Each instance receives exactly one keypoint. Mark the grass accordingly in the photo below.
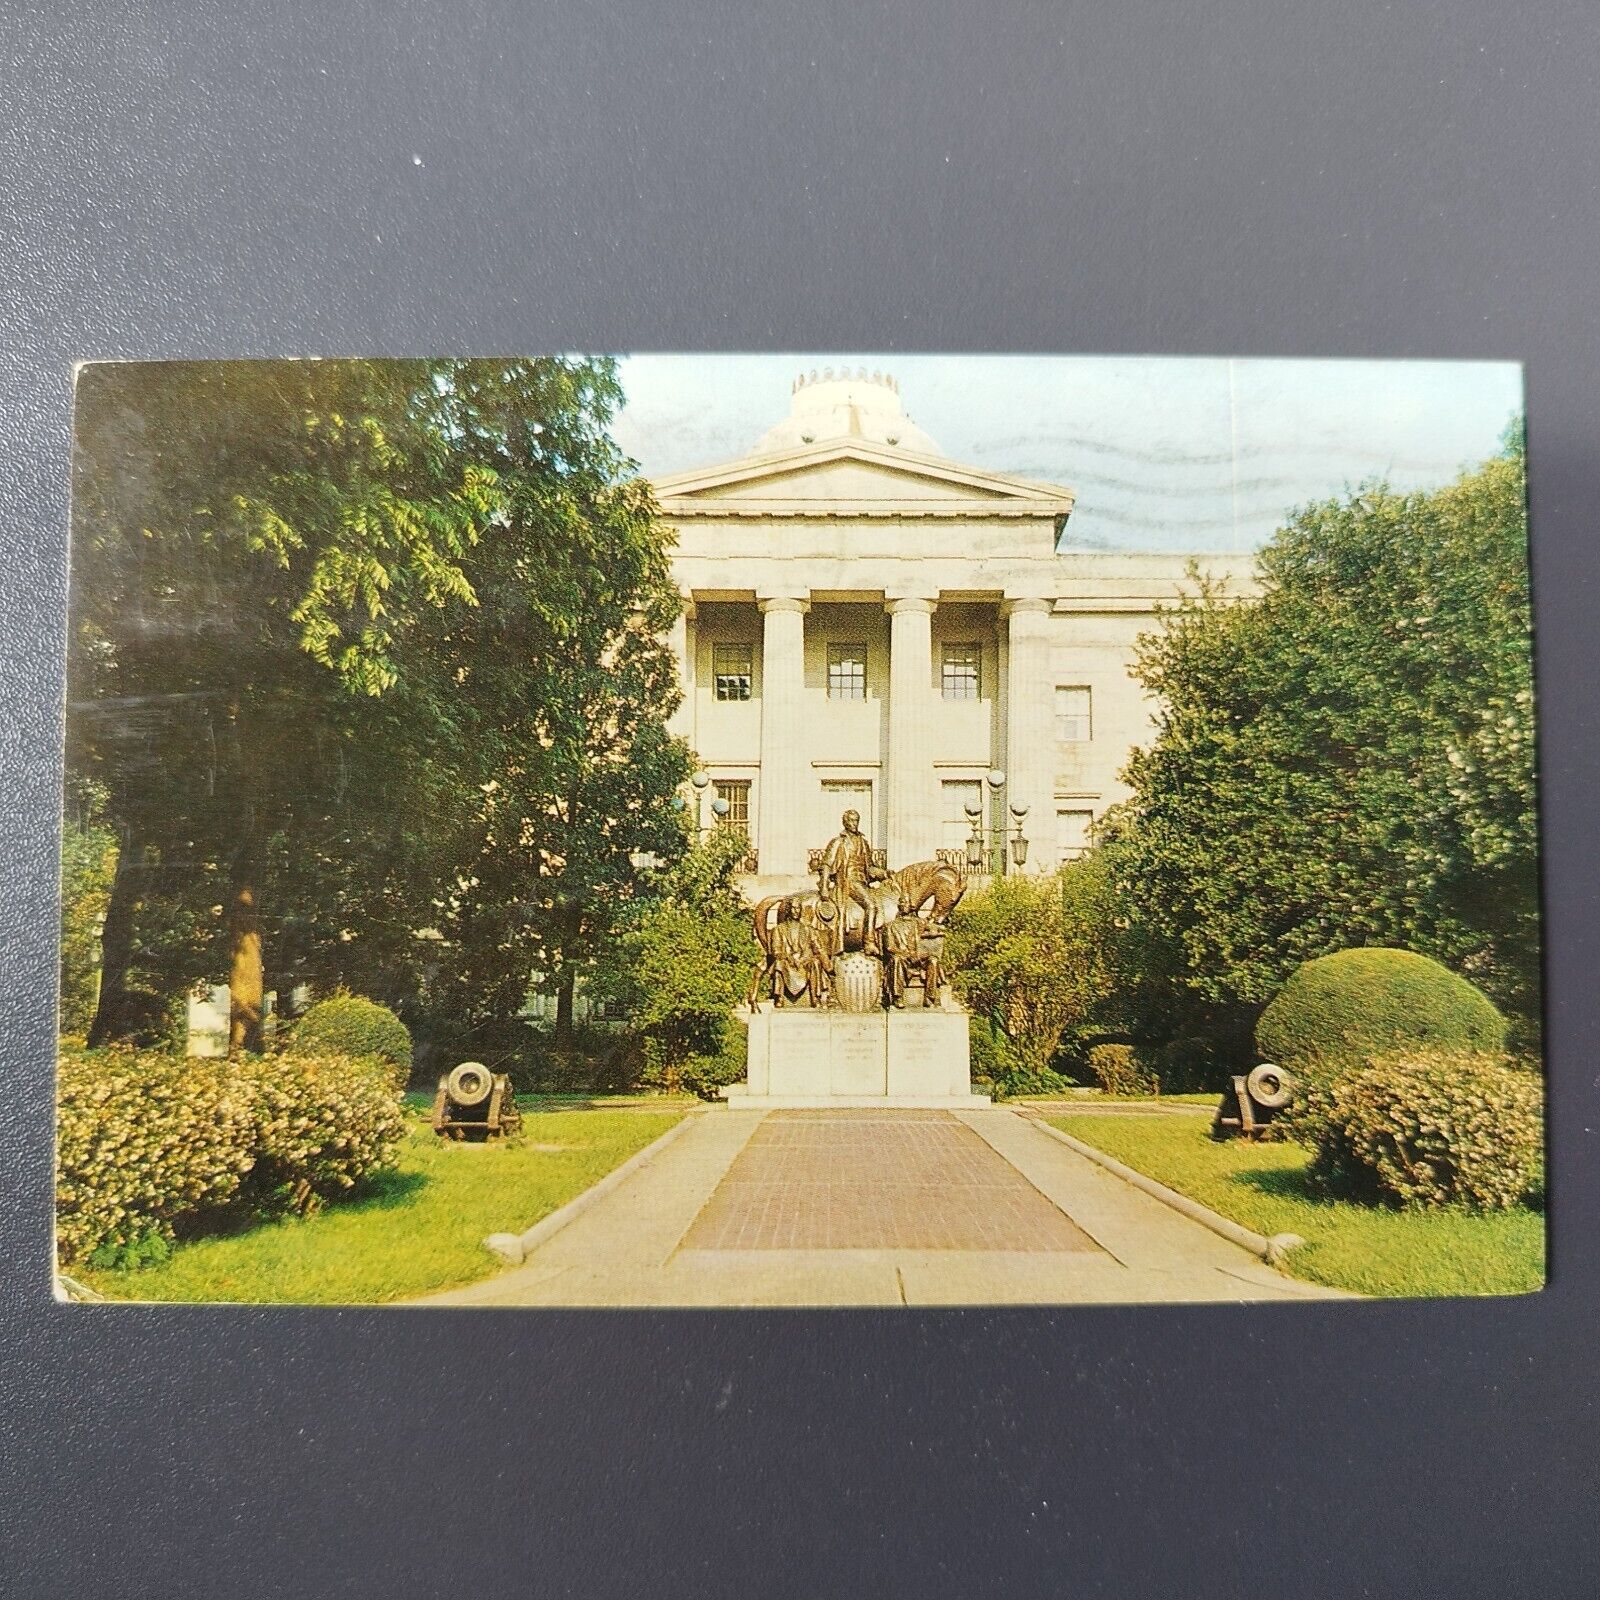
(415, 1228)
(1364, 1248)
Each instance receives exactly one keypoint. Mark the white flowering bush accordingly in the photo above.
(323, 1122)
(1432, 1128)
(144, 1142)
(152, 1146)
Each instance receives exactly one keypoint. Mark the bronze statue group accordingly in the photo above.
(894, 918)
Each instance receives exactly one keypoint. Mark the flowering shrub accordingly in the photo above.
(145, 1141)
(150, 1146)
(1432, 1128)
(323, 1121)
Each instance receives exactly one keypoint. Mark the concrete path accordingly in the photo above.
(872, 1208)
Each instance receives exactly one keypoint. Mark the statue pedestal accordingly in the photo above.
(818, 1059)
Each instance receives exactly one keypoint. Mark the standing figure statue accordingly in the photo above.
(846, 871)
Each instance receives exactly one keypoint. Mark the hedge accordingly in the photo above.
(152, 1146)
(1345, 1007)
(352, 1025)
(144, 1142)
(1432, 1128)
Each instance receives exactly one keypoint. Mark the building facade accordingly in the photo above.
(870, 625)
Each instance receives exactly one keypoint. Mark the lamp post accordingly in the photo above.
(989, 843)
(719, 806)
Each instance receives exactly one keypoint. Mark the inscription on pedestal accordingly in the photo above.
(857, 1062)
(928, 1053)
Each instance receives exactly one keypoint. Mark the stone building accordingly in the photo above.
(870, 624)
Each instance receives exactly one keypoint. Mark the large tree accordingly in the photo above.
(1348, 758)
(305, 594)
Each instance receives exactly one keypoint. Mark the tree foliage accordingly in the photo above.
(365, 661)
(1348, 758)
(1031, 956)
(687, 959)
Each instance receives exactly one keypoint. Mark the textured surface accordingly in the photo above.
(876, 1180)
(179, 177)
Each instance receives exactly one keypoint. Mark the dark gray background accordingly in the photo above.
(1307, 177)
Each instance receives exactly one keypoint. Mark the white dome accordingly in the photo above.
(845, 405)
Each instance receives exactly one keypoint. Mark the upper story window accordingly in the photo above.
(1074, 715)
(961, 672)
(731, 670)
(847, 672)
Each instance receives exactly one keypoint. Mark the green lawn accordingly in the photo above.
(416, 1228)
(1369, 1250)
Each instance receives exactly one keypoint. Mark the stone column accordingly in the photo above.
(1030, 725)
(681, 641)
(910, 800)
(785, 772)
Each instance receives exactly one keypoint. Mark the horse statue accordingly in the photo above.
(921, 883)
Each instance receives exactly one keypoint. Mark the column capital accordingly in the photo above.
(899, 604)
(1026, 605)
(789, 600)
(688, 606)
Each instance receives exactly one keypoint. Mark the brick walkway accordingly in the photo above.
(877, 1180)
(875, 1208)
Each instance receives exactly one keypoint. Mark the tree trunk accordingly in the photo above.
(246, 985)
(116, 942)
(566, 989)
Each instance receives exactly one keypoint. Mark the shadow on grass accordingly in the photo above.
(384, 1190)
(1281, 1183)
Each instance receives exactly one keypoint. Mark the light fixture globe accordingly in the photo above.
(719, 807)
(701, 779)
(996, 779)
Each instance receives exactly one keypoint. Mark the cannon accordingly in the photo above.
(472, 1102)
(1252, 1100)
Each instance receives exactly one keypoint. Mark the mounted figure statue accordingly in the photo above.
(934, 888)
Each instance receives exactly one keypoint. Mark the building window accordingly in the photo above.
(1074, 722)
(845, 795)
(847, 672)
(1074, 834)
(961, 674)
(956, 794)
(736, 791)
(730, 669)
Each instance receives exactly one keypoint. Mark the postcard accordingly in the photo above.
(805, 830)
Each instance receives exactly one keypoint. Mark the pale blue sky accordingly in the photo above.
(1166, 453)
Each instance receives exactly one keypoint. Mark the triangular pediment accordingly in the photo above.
(853, 477)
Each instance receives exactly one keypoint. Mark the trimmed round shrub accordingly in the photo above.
(1123, 1069)
(1355, 1003)
(145, 1142)
(1432, 1128)
(323, 1122)
(352, 1025)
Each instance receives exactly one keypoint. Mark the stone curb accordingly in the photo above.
(1272, 1250)
(513, 1247)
